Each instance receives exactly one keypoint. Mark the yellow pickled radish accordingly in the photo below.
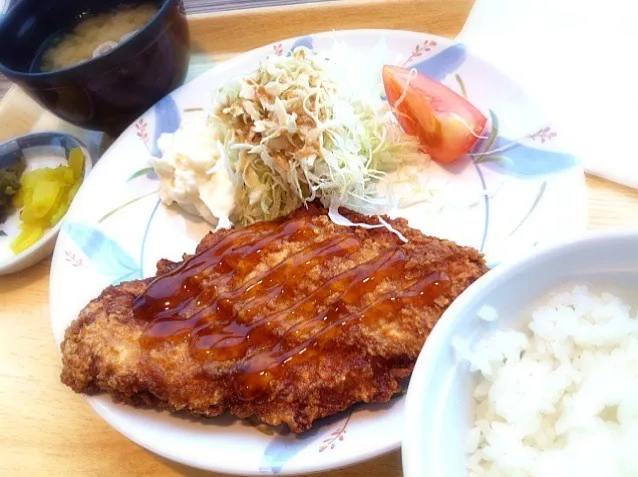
(57, 205)
(64, 175)
(64, 206)
(73, 191)
(28, 236)
(31, 178)
(76, 162)
(44, 198)
(59, 213)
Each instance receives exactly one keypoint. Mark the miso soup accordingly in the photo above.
(96, 35)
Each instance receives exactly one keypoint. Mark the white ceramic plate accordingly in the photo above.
(117, 230)
(439, 406)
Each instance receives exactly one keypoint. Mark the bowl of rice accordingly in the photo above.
(533, 371)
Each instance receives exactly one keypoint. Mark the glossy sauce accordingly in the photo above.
(234, 324)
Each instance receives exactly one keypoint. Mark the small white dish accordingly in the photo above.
(439, 406)
(45, 149)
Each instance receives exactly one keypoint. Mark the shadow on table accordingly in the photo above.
(388, 465)
(185, 470)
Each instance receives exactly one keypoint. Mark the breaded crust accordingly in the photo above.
(362, 357)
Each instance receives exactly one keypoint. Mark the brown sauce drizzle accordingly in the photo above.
(220, 325)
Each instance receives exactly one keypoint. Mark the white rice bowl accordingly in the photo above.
(560, 398)
(533, 371)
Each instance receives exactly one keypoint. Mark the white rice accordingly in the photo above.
(560, 399)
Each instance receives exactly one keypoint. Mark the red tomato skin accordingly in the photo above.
(446, 124)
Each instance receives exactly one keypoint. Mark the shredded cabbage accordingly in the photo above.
(294, 131)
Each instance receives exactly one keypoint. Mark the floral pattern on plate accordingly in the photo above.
(117, 229)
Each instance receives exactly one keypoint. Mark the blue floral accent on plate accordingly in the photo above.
(280, 450)
(149, 172)
(302, 41)
(284, 447)
(145, 237)
(517, 159)
(444, 63)
(486, 204)
(104, 253)
(167, 120)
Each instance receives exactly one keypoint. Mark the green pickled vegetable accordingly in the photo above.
(9, 186)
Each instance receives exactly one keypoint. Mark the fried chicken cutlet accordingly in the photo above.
(288, 321)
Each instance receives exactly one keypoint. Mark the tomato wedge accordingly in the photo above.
(446, 124)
